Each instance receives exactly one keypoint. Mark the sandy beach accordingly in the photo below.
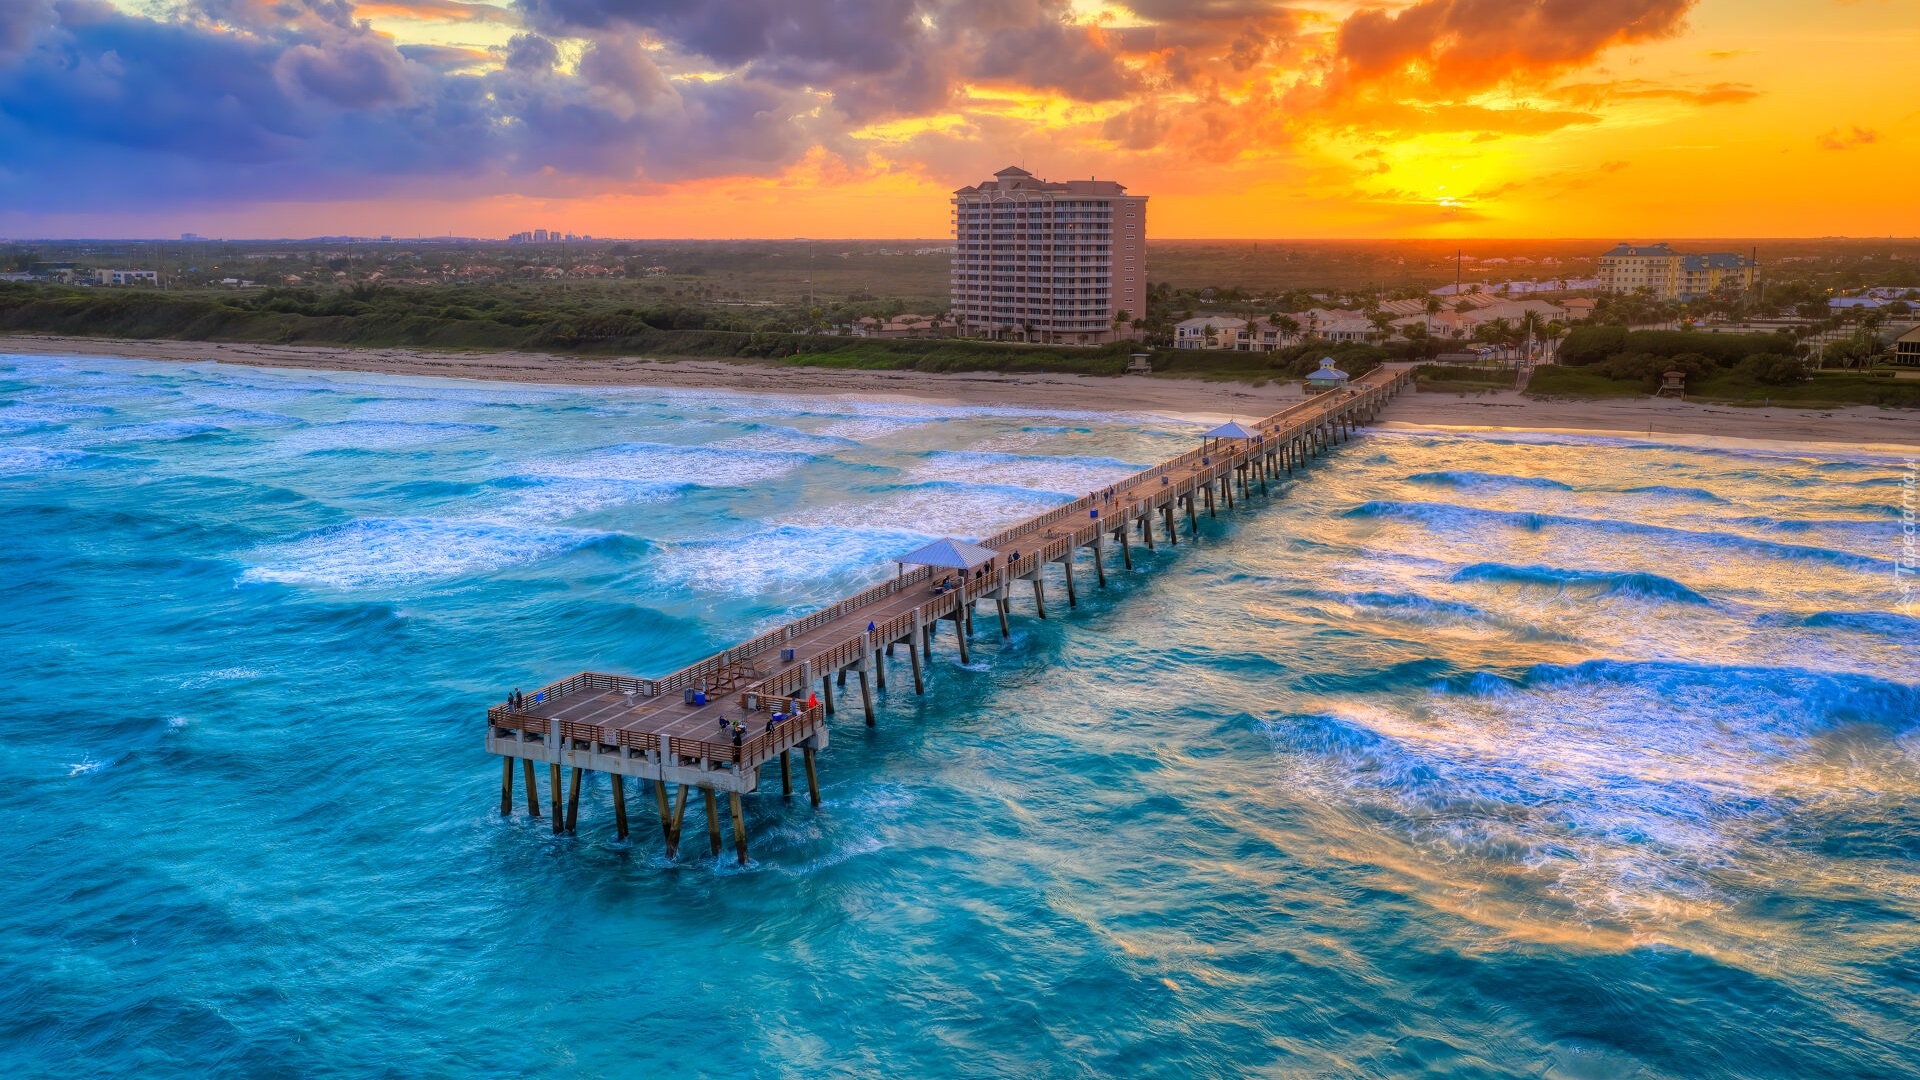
(1863, 425)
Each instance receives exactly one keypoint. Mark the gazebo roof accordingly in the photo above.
(1327, 371)
(957, 554)
(1232, 429)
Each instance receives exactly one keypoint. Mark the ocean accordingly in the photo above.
(1465, 755)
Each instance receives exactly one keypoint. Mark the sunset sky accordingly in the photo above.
(854, 118)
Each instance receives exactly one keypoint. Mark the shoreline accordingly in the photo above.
(1188, 399)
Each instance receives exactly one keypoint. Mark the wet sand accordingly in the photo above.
(1197, 398)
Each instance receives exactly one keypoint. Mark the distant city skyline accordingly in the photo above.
(1618, 119)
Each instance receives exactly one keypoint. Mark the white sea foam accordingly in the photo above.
(394, 551)
(1068, 476)
(159, 431)
(25, 460)
(1628, 784)
(658, 463)
(780, 559)
(413, 410)
(934, 509)
(376, 435)
(785, 441)
(54, 412)
(557, 498)
(867, 429)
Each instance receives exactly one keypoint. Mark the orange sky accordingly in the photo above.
(1241, 118)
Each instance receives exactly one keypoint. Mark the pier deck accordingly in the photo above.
(712, 725)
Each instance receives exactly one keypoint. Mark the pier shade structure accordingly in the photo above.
(717, 726)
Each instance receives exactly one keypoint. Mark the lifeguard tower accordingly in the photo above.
(1673, 384)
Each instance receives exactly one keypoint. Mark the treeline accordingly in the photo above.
(390, 318)
(1644, 356)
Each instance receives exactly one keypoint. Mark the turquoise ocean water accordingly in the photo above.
(1471, 755)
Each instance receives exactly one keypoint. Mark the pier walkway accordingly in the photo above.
(711, 726)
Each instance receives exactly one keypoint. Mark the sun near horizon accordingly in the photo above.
(751, 118)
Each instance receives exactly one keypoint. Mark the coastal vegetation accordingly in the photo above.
(1612, 361)
(591, 322)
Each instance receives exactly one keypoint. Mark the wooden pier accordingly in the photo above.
(715, 726)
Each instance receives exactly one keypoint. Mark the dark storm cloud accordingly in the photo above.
(296, 100)
(915, 51)
(289, 99)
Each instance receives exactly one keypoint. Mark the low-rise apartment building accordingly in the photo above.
(126, 277)
(1673, 275)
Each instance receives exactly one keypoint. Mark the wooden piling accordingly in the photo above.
(820, 646)
(679, 822)
(666, 817)
(619, 805)
(813, 777)
(739, 827)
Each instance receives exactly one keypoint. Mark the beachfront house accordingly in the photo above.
(1209, 332)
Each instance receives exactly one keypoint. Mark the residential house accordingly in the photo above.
(1209, 332)
(1906, 348)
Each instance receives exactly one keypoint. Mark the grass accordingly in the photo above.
(1555, 381)
(1452, 377)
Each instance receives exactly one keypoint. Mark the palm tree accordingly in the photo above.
(1434, 307)
(1289, 326)
(1497, 332)
(1554, 332)
(1120, 320)
(1381, 321)
(1531, 324)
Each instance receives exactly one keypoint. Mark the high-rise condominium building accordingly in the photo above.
(1036, 260)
